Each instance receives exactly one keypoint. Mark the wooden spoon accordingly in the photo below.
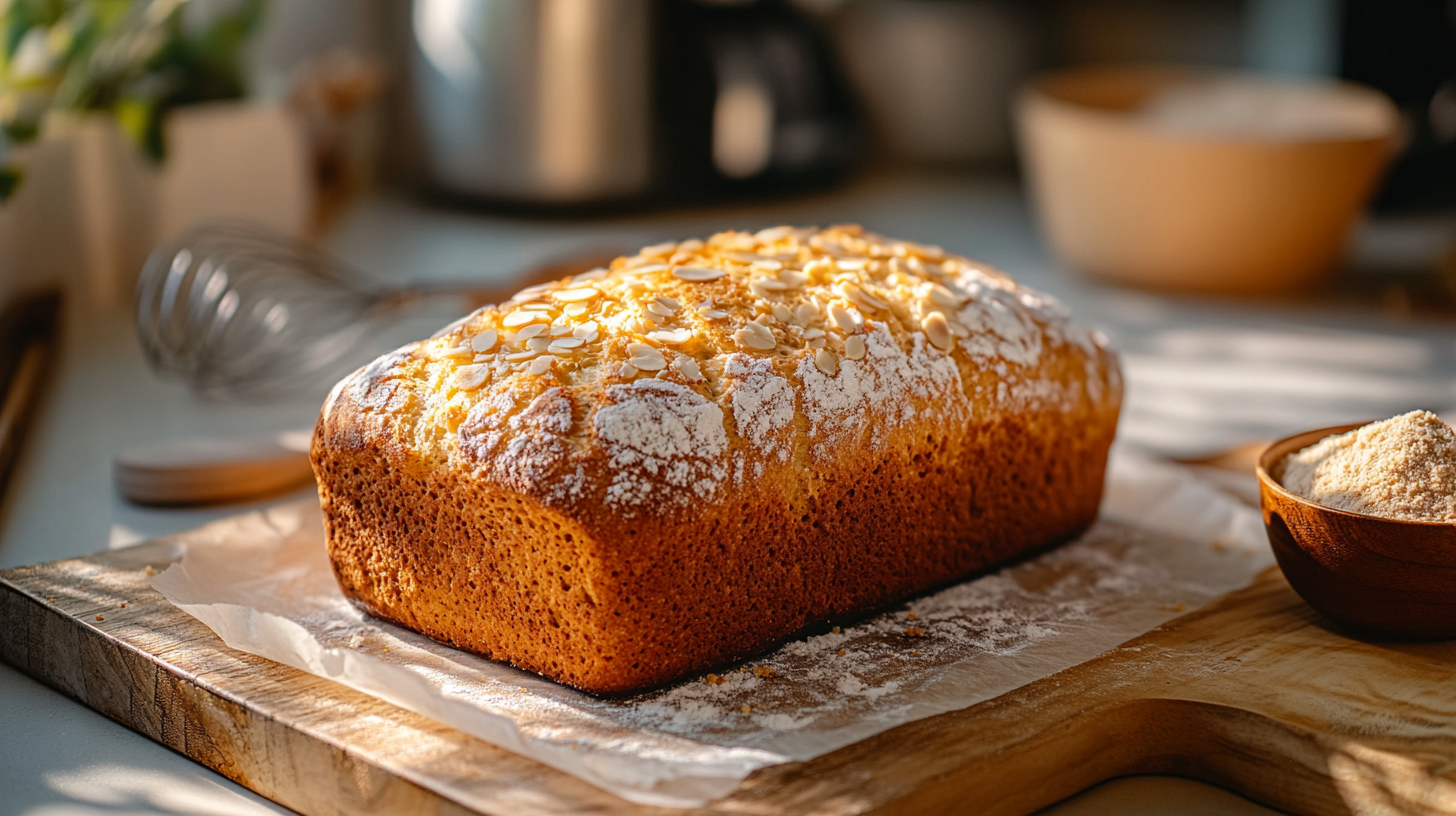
(1378, 575)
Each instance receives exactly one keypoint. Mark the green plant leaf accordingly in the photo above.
(10, 178)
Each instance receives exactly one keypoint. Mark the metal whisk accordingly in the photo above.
(240, 312)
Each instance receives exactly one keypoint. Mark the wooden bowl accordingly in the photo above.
(1124, 199)
(1379, 576)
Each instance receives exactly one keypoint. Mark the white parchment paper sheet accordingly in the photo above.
(1167, 542)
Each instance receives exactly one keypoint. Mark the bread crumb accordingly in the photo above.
(714, 680)
(840, 653)
(51, 600)
(149, 570)
(762, 671)
(123, 606)
(834, 631)
(916, 631)
(915, 653)
(747, 709)
(912, 616)
(98, 617)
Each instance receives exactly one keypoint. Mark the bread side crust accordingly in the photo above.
(610, 602)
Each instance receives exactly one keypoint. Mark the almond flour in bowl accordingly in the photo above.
(1400, 468)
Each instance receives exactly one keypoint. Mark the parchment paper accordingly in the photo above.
(1167, 542)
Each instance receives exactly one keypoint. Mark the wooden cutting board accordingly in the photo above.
(1253, 692)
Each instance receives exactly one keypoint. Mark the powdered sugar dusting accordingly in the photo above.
(887, 383)
(523, 450)
(657, 432)
(763, 405)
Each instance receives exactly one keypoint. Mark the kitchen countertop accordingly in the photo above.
(1202, 375)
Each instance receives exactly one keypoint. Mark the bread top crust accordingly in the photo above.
(649, 387)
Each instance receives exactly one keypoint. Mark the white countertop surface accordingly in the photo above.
(1201, 376)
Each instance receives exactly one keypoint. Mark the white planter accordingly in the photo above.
(92, 206)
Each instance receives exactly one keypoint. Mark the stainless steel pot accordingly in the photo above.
(538, 100)
(566, 102)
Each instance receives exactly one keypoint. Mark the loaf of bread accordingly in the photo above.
(650, 470)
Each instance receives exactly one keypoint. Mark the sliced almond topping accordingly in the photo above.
(566, 343)
(560, 331)
(842, 317)
(806, 312)
(590, 338)
(671, 337)
(810, 334)
(773, 234)
(690, 245)
(647, 269)
(826, 362)
(943, 296)
(541, 364)
(457, 351)
(852, 264)
(854, 347)
(767, 265)
(818, 342)
(696, 274)
(793, 279)
(938, 331)
(782, 312)
(688, 367)
(528, 332)
(756, 336)
(538, 343)
(592, 275)
(471, 377)
(485, 341)
(576, 309)
(627, 370)
(537, 306)
(587, 328)
(659, 309)
(818, 266)
(658, 250)
(521, 318)
(715, 314)
(583, 295)
(521, 355)
(761, 289)
(645, 357)
(860, 297)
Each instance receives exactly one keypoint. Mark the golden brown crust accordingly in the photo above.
(616, 532)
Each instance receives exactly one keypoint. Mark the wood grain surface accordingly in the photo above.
(1254, 692)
